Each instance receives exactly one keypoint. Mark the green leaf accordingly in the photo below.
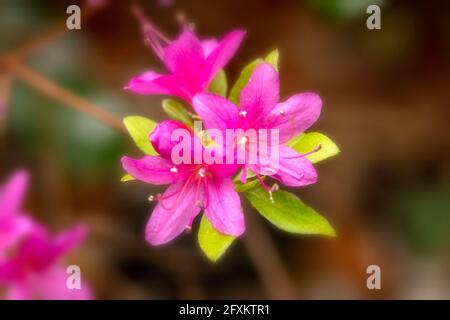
(242, 81)
(127, 178)
(220, 84)
(140, 129)
(273, 58)
(177, 111)
(213, 243)
(246, 73)
(307, 142)
(239, 187)
(289, 213)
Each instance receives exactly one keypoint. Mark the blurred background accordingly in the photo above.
(386, 104)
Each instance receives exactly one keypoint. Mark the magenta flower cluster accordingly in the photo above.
(192, 65)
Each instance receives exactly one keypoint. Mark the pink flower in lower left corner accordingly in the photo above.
(34, 272)
(14, 224)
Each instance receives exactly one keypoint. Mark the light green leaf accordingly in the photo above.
(220, 84)
(213, 243)
(177, 111)
(289, 213)
(307, 142)
(127, 178)
(140, 129)
(273, 58)
(239, 187)
(242, 81)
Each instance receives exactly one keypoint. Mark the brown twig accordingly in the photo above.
(46, 38)
(51, 89)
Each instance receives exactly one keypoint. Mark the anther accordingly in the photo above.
(243, 113)
(202, 173)
(174, 170)
(275, 187)
(282, 112)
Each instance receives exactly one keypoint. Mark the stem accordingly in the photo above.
(51, 89)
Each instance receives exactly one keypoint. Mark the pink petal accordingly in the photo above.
(153, 83)
(13, 229)
(223, 207)
(39, 250)
(19, 291)
(184, 58)
(295, 115)
(12, 193)
(151, 169)
(208, 46)
(216, 112)
(293, 169)
(261, 93)
(223, 52)
(161, 137)
(52, 285)
(173, 214)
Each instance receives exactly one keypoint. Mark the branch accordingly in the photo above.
(53, 90)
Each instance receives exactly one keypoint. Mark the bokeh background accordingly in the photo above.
(386, 104)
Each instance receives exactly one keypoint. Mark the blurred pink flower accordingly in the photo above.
(14, 224)
(260, 109)
(33, 272)
(192, 63)
(193, 187)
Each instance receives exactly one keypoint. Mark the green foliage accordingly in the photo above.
(272, 58)
(213, 243)
(307, 142)
(220, 84)
(177, 111)
(140, 129)
(289, 213)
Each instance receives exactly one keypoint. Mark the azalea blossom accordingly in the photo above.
(191, 63)
(34, 272)
(14, 224)
(192, 187)
(260, 109)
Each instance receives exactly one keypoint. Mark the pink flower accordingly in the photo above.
(193, 187)
(260, 109)
(34, 273)
(192, 63)
(13, 223)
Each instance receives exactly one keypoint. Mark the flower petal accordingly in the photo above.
(12, 229)
(12, 193)
(151, 169)
(161, 137)
(209, 45)
(223, 52)
(223, 207)
(173, 214)
(293, 169)
(151, 82)
(216, 111)
(52, 285)
(261, 93)
(184, 58)
(295, 115)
